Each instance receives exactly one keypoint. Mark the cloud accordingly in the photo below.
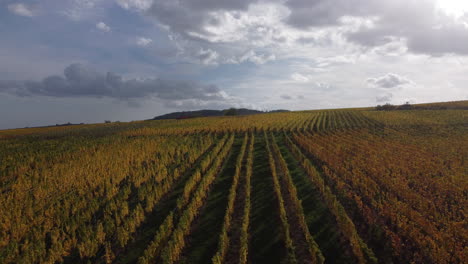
(102, 26)
(301, 78)
(185, 16)
(254, 23)
(420, 24)
(208, 56)
(253, 57)
(21, 9)
(323, 86)
(389, 81)
(78, 10)
(143, 42)
(81, 81)
(395, 48)
(136, 4)
(425, 28)
(384, 98)
(306, 13)
(229, 32)
(298, 77)
(290, 97)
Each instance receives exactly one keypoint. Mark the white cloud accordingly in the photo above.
(259, 24)
(136, 4)
(141, 41)
(322, 85)
(298, 77)
(250, 56)
(389, 81)
(21, 9)
(102, 26)
(253, 57)
(325, 62)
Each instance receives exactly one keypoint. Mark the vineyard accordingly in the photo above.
(324, 186)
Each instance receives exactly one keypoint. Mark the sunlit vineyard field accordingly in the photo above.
(322, 186)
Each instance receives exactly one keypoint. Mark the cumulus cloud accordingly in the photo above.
(102, 26)
(389, 81)
(228, 32)
(420, 24)
(216, 32)
(81, 81)
(143, 42)
(21, 9)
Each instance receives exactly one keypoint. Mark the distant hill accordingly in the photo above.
(207, 113)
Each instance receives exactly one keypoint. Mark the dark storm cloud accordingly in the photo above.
(81, 81)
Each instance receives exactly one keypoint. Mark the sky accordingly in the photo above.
(121, 60)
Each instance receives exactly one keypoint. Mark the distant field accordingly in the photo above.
(325, 186)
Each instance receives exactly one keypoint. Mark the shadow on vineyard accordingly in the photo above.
(266, 238)
(322, 186)
(202, 243)
(148, 228)
(319, 220)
